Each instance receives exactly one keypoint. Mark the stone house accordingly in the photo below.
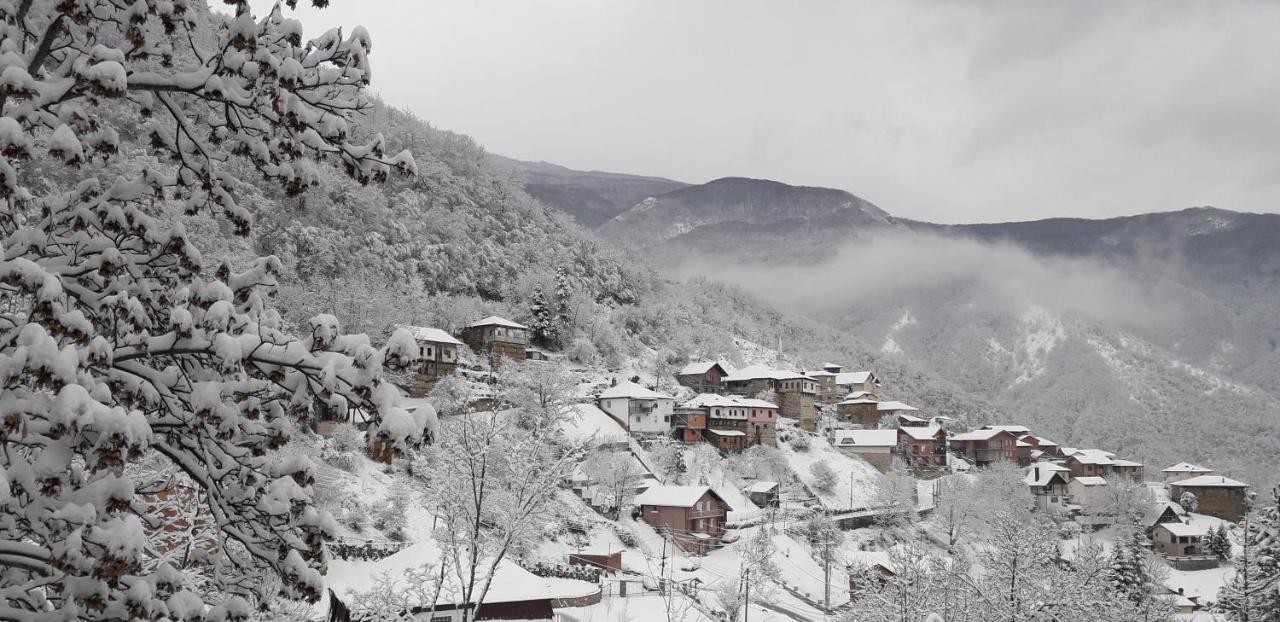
(874, 446)
(796, 393)
(693, 517)
(1184, 470)
(1218, 496)
(1127, 468)
(703, 377)
(828, 393)
(733, 423)
(637, 409)
(764, 494)
(497, 338)
(762, 422)
(860, 408)
(437, 358)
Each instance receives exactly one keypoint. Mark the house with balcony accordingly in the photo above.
(985, 446)
(796, 393)
(1048, 484)
(637, 409)
(703, 377)
(497, 338)
(437, 358)
(923, 449)
(692, 517)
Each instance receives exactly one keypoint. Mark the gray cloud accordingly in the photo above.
(948, 111)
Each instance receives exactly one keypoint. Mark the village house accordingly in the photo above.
(1184, 470)
(852, 381)
(498, 338)
(868, 570)
(795, 393)
(827, 391)
(923, 449)
(1048, 483)
(1178, 539)
(876, 447)
(437, 358)
(1127, 468)
(702, 377)
(1089, 462)
(1086, 491)
(764, 494)
(899, 412)
(762, 422)
(637, 409)
(859, 408)
(1218, 496)
(985, 446)
(1041, 447)
(692, 517)
(689, 424)
(1162, 512)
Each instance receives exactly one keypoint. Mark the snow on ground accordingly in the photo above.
(857, 480)
(646, 607)
(591, 423)
(1203, 584)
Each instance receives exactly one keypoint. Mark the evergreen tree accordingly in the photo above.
(564, 310)
(1253, 594)
(1218, 543)
(540, 323)
(1130, 575)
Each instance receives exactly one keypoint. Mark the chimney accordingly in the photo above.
(1036, 473)
(613, 382)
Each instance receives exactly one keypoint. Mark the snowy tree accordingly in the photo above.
(1189, 502)
(1129, 573)
(616, 472)
(541, 391)
(1253, 593)
(398, 597)
(542, 326)
(824, 477)
(1218, 543)
(491, 478)
(118, 342)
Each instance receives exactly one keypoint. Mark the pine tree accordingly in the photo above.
(1129, 573)
(540, 323)
(1253, 594)
(1218, 543)
(564, 312)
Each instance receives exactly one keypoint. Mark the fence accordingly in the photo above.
(1193, 562)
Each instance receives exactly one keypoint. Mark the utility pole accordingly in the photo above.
(746, 599)
(662, 570)
(826, 573)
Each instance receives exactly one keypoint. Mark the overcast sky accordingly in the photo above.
(950, 111)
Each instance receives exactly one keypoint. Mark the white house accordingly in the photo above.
(1086, 491)
(638, 409)
(1184, 470)
(874, 446)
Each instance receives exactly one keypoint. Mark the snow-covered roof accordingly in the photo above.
(426, 333)
(853, 377)
(821, 372)
(1210, 481)
(1089, 480)
(1152, 515)
(1013, 429)
(1125, 463)
(1093, 456)
(511, 583)
(494, 320)
(911, 419)
(762, 487)
(700, 367)
(674, 496)
(895, 405)
(920, 433)
(1050, 466)
(864, 438)
(977, 435)
(859, 401)
(1041, 476)
(857, 395)
(1187, 467)
(707, 400)
(1184, 529)
(754, 372)
(1044, 442)
(720, 432)
(633, 391)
